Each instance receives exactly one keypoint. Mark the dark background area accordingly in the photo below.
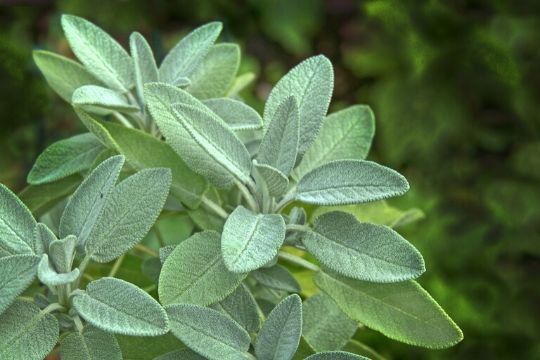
(455, 87)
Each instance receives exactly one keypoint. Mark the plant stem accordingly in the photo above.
(159, 236)
(286, 200)
(123, 120)
(298, 261)
(52, 307)
(297, 227)
(116, 265)
(210, 205)
(248, 197)
(145, 249)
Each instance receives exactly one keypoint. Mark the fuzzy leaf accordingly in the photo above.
(280, 335)
(311, 83)
(344, 182)
(277, 277)
(91, 344)
(363, 251)
(184, 354)
(241, 307)
(132, 208)
(16, 225)
(215, 75)
(100, 53)
(346, 134)
(275, 180)
(62, 253)
(402, 311)
(16, 273)
(43, 237)
(144, 348)
(146, 70)
(65, 157)
(27, 333)
(195, 272)
(236, 114)
(94, 98)
(249, 240)
(63, 75)
(49, 276)
(120, 307)
(336, 355)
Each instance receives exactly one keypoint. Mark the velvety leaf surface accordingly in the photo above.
(145, 67)
(90, 97)
(336, 355)
(91, 344)
(184, 354)
(49, 276)
(43, 237)
(62, 253)
(236, 114)
(16, 273)
(241, 307)
(16, 225)
(275, 180)
(277, 277)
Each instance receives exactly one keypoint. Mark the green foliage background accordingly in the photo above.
(455, 87)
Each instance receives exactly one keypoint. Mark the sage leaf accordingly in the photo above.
(311, 83)
(120, 307)
(345, 182)
(215, 75)
(63, 75)
(401, 311)
(65, 157)
(101, 100)
(277, 277)
(91, 344)
(336, 355)
(346, 134)
(49, 276)
(27, 333)
(132, 208)
(16, 273)
(184, 354)
(326, 327)
(100, 53)
(85, 206)
(146, 70)
(92, 123)
(279, 145)
(62, 253)
(241, 307)
(280, 334)
(43, 237)
(250, 240)
(188, 54)
(195, 272)
(144, 348)
(236, 114)
(240, 83)
(16, 225)
(275, 180)
(363, 251)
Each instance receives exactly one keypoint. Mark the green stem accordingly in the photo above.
(210, 205)
(297, 227)
(145, 249)
(52, 307)
(159, 236)
(248, 197)
(123, 120)
(286, 200)
(116, 265)
(298, 261)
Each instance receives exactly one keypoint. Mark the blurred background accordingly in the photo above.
(455, 86)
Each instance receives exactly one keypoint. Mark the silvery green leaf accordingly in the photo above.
(280, 143)
(346, 134)
(215, 75)
(100, 100)
(277, 277)
(240, 83)
(311, 83)
(132, 208)
(49, 276)
(209, 332)
(16, 273)
(146, 70)
(363, 251)
(16, 225)
(184, 354)
(65, 157)
(326, 327)
(182, 82)
(188, 54)
(86, 204)
(43, 237)
(336, 355)
(344, 182)
(120, 307)
(92, 123)
(195, 272)
(164, 252)
(205, 220)
(401, 311)
(100, 53)
(236, 114)
(275, 180)
(27, 333)
(63, 75)
(280, 334)
(91, 344)
(62, 253)
(250, 240)
(241, 307)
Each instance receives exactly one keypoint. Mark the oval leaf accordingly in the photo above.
(16, 273)
(236, 114)
(49, 276)
(336, 355)
(277, 277)
(16, 225)
(97, 98)
(241, 307)
(91, 344)
(145, 67)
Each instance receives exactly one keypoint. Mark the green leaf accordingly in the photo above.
(311, 83)
(336, 355)
(189, 53)
(363, 251)
(43, 237)
(280, 143)
(346, 134)
(95, 127)
(100, 53)
(209, 332)
(215, 75)
(402, 311)
(326, 327)
(100, 100)
(16, 273)
(277, 277)
(145, 151)
(65, 157)
(249, 240)
(344, 182)
(129, 213)
(63, 75)
(144, 348)
(16, 225)
(85, 206)
(280, 334)
(241, 307)
(91, 344)
(236, 114)
(275, 180)
(195, 272)
(184, 354)
(240, 83)
(49, 276)
(120, 307)
(27, 333)
(62, 253)
(146, 70)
